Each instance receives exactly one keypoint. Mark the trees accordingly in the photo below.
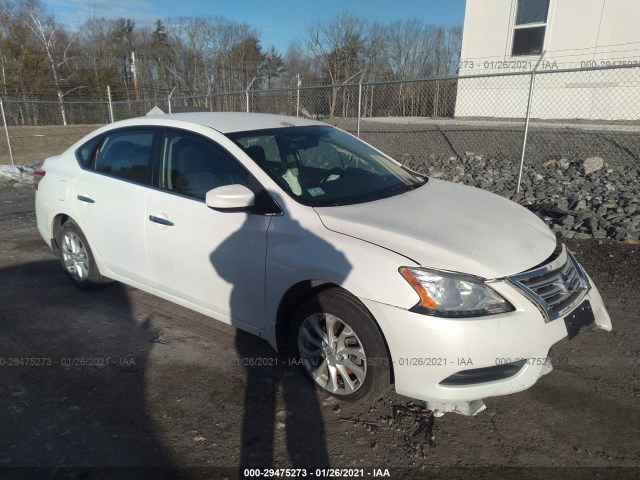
(200, 57)
(55, 43)
(298, 62)
(245, 60)
(97, 64)
(347, 48)
(272, 67)
(338, 45)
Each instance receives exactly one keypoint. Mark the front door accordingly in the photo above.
(214, 260)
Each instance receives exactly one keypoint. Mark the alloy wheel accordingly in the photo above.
(74, 256)
(332, 353)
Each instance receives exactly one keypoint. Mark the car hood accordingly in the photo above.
(449, 226)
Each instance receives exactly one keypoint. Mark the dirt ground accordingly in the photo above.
(119, 383)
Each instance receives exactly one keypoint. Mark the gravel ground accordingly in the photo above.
(163, 388)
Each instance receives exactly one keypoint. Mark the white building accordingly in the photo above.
(510, 35)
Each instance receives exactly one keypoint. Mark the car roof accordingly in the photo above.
(227, 122)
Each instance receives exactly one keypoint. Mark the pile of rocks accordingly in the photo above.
(584, 198)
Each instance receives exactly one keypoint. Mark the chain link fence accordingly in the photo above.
(34, 130)
(517, 131)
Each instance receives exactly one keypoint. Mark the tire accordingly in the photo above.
(77, 259)
(362, 372)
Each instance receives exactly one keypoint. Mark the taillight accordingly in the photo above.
(38, 175)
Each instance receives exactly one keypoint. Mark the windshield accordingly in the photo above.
(323, 166)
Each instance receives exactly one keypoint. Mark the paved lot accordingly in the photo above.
(160, 386)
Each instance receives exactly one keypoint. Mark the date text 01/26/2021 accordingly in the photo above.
(409, 361)
(67, 362)
(403, 361)
(317, 473)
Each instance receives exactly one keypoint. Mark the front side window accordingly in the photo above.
(323, 166)
(530, 27)
(125, 155)
(194, 165)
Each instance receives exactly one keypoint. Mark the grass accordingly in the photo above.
(34, 144)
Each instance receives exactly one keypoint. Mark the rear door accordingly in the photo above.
(110, 196)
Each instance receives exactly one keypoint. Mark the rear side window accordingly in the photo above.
(125, 155)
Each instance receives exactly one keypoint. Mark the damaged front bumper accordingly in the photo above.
(453, 364)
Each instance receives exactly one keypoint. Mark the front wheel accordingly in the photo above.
(77, 259)
(340, 346)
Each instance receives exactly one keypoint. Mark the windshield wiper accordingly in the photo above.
(403, 188)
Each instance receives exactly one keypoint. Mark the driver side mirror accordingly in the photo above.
(230, 198)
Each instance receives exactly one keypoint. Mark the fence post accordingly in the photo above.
(298, 95)
(526, 122)
(359, 103)
(247, 91)
(110, 104)
(6, 131)
(169, 98)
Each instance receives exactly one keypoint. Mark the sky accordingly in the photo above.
(278, 21)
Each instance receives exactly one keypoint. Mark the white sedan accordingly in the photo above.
(295, 231)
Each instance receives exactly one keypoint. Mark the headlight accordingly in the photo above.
(453, 295)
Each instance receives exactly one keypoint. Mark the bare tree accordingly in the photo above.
(298, 63)
(205, 56)
(52, 37)
(5, 20)
(338, 45)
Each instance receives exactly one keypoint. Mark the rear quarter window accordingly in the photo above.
(86, 153)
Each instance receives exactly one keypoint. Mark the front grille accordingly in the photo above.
(557, 286)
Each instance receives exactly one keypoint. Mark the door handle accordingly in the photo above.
(161, 221)
(85, 199)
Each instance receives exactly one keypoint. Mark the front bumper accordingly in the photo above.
(427, 350)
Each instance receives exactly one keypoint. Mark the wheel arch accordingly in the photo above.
(289, 302)
(59, 220)
(56, 224)
(300, 291)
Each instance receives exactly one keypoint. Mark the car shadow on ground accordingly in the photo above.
(299, 416)
(302, 416)
(72, 380)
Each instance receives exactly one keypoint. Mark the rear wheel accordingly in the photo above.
(340, 347)
(77, 259)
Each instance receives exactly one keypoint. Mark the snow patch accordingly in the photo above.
(17, 173)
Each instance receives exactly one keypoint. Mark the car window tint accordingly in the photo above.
(193, 165)
(86, 153)
(125, 155)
